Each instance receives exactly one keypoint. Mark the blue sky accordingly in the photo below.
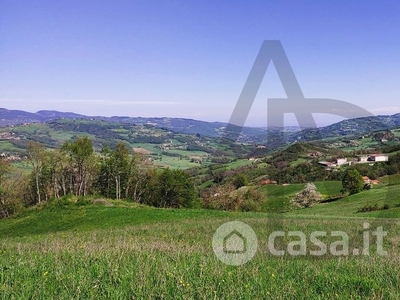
(191, 58)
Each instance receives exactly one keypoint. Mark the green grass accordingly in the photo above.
(7, 146)
(175, 162)
(390, 179)
(298, 161)
(278, 197)
(349, 206)
(72, 249)
(81, 216)
(329, 188)
(126, 251)
(238, 163)
(62, 136)
(187, 153)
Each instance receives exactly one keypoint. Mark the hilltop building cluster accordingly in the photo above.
(360, 159)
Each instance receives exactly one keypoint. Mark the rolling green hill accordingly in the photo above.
(351, 127)
(122, 251)
(165, 147)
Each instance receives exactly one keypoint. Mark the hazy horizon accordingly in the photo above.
(131, 116)
(191, 59)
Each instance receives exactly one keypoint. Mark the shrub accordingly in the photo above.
(240, 180)
(374, 207)
(368, 208)
(226, 197)
(169, 189)
(308, 196)
(352, 182)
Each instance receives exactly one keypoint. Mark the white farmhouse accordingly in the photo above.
(341, 161)
(378, 157)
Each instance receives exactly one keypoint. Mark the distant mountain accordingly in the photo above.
(53, 114)
(219, 129)
(15, 117)
(189, 126)
(357, 126)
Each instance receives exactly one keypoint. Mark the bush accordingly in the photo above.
(13, 193)
(374, 207)
(240, 180)
(170, 189)
(352, 182)
(226, 197)
(308, 196)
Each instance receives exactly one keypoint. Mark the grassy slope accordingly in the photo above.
(349, 206)
(83, 217)
(129, 251)
(278, 197)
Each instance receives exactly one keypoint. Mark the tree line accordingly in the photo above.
(75, 169)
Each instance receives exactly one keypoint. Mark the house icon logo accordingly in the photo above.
(235, 243)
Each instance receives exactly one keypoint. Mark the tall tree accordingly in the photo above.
(119, 164)
(36, 156)
(83, 164)
(104, 181)
(352, 182)
(117, 172)
(140, 174)
(174, 189)
(4, 169)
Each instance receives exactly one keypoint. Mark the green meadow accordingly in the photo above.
(73, 249)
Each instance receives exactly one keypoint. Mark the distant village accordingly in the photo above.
(11, 157)
(359, 159)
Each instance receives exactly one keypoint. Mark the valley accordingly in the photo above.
(140, 244)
